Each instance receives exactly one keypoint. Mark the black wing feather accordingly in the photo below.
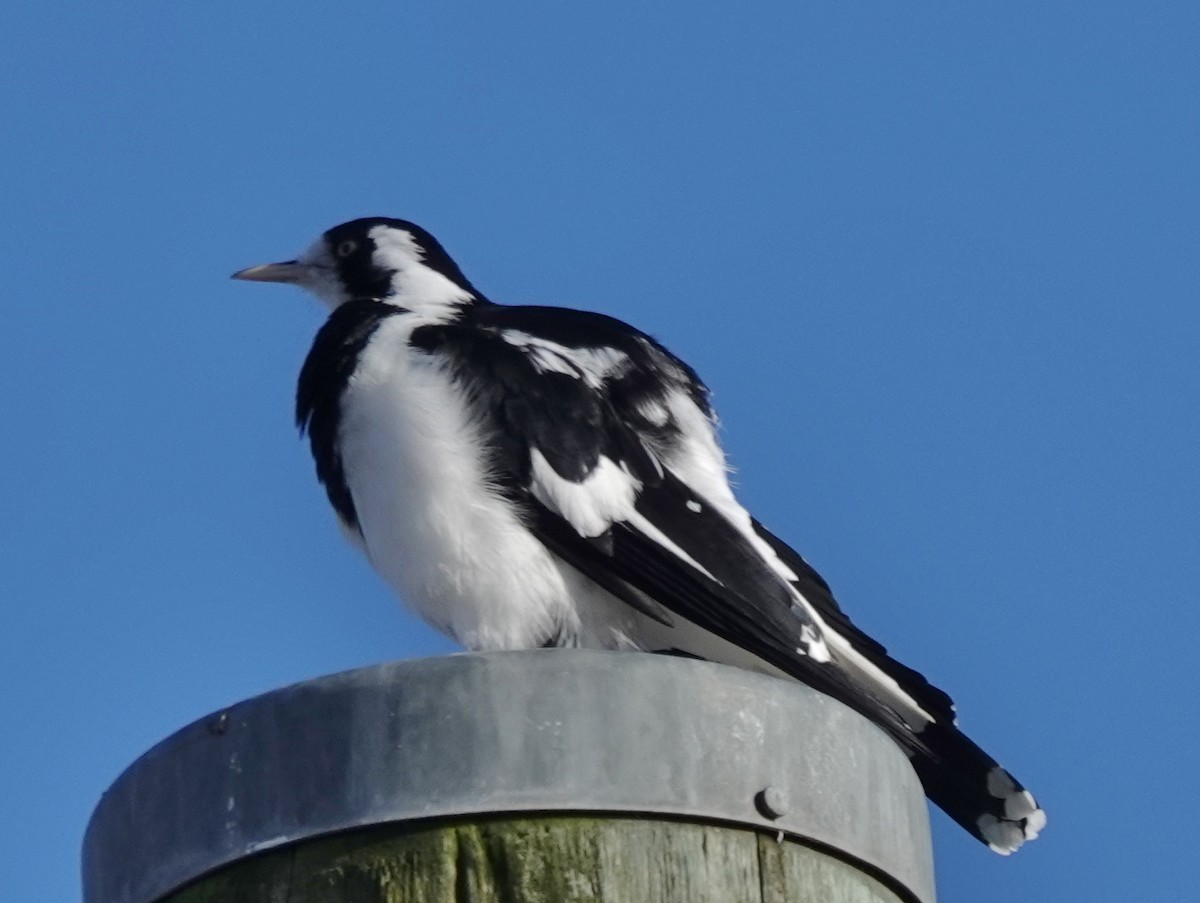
(591, 557)
(813, 587)
(740, 599)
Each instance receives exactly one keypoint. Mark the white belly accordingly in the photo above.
(433, 527)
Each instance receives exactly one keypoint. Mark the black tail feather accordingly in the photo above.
(969, 786)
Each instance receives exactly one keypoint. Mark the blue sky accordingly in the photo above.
(937, 262)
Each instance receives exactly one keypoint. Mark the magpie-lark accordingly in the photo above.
(539, 476)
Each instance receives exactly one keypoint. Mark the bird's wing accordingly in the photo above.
(813, 587)
(578, 411)
(605, 441)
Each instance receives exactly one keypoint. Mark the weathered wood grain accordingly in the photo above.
(548, 859)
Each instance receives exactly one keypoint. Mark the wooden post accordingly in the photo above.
(549, 776)
(553, 859)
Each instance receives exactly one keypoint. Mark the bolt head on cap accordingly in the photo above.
(771, 802)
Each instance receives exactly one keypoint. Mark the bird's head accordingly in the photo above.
(389, 260)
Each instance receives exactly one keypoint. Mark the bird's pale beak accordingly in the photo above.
(289, 271)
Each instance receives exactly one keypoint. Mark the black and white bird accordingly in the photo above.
(539, 476)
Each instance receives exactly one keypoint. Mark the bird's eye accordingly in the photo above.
(346, 248)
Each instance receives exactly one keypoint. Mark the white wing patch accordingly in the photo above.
(592, 365)
(590, 506)
(814, 646)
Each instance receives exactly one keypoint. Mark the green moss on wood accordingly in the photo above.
(544, 859)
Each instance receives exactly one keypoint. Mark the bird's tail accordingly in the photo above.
(964, 781)
(969, 786)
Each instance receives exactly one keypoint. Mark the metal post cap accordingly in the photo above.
(537, 731)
